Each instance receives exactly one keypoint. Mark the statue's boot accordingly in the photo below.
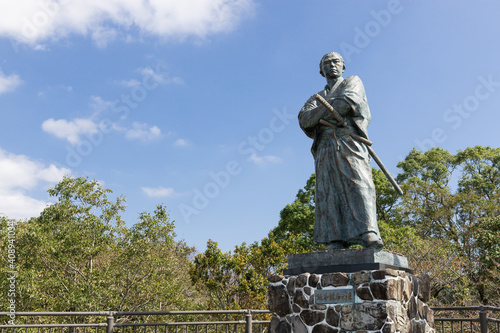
(372, 240)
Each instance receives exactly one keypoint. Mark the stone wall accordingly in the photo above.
(386, 301)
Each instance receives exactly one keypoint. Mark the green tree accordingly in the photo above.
(239, 279)
(78, 255)
(150, 268)
(387, 199)
(396, 219)
(295, 228)
(478, 215)
(460, 215)
(213, 273)
(447, 224)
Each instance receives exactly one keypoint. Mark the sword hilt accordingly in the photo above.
(341, 120)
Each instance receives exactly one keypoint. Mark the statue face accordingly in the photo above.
(333, 67)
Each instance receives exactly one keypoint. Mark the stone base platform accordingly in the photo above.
(347, 261)
(375, 301)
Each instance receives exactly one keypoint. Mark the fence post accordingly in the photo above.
(248, 322)
(110, 321)
(483, 320)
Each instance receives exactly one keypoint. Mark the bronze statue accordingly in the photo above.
(337, 119)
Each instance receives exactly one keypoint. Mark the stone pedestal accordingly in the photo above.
(348, 261)
(382, 300)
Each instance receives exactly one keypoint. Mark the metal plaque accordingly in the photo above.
(335, 296)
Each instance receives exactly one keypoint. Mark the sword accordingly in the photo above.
(341, 120)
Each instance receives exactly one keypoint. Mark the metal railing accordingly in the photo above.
(477, 319)
(223, 321)
(474, 319)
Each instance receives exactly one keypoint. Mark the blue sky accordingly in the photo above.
(193, 103)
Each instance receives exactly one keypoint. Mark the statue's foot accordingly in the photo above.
(335, 246)
(371, 240)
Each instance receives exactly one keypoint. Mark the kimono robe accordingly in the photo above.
(345, 193)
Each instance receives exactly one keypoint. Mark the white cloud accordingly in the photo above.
(181, 143)
(262, 160)
(16, 205)
(150, 77)
(70, 130)
(128, 83)
(99, 104)
(74, 130)
(9, 83)
(159, 192)
(33, 22)
(160, 78)
(142, 132)
(19, 173)
(102, 36)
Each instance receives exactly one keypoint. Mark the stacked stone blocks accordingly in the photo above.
(386, 301)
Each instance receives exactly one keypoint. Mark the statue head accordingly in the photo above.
(327, 56)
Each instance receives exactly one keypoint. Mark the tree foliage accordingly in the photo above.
(239, 279)
(447, 223)
(451, 201)
(78, 255)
